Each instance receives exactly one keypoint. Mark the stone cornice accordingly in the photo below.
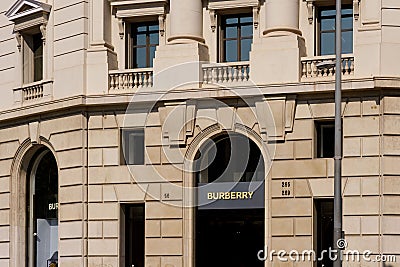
(94, 101)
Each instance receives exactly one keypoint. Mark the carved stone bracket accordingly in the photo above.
(43, 28)
(213, 19)
(121, 28)
(356, 9)
(18, 37)
(310, 11)
(256, 16)
(161, 23)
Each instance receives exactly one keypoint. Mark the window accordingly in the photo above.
(32, 57)
(132, 235)
(144, 38)
(236, 37)
(325, 135)
(323, 235)
(133, 146)
(327, 26)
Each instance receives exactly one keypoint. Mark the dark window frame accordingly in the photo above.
(320, 126)
(319, 32)
(239, 38)
(132, 250)
(323, 229)
(127, 148)
(37, 50)
(132, 46)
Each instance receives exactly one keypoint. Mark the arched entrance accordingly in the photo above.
(230, 174)
(42, 210)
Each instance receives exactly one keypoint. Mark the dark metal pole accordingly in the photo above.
(337, 206)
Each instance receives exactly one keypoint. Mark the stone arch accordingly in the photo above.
(18, 188)
(189, 182)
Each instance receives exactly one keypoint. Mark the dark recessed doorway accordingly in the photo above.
(229, 238)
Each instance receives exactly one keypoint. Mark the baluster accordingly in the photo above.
(130, 80)
(146, 79)
(346, 66)
(111, 85)
(226, 74)
(304, 69)
(213, 75)
(140, 77)
(230, 74)
(204, 75)
(351, 62)
(318, 70)
(150, 78)
(135, 81)
(240, 70)
(219, 77)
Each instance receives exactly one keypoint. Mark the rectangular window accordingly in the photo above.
(133, 235)
(325, 135)
(236, 37)
(33, 57)
(327, 26)
(144, 38)
(132, 146)
(323, 225)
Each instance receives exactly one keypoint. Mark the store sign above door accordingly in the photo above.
(245, 195)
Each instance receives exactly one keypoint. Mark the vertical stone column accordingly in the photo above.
(281, 47)
(185, 48)
(100, 54)
(186, 21)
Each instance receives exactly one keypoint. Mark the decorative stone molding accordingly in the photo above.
(138, 8)
(27, 14)
(276, 117)
(178, 121)
(34, 132)
(228, 4)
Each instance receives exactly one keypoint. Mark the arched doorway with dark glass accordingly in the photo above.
(230, 172)
(42, 210)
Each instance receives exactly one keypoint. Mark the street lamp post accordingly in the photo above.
(337, 202)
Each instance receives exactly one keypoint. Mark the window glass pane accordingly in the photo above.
(247, 31)
(141, 28)
(140, 57)
(245, 49)
(347, 11)
(246, 20)
(327, 43)
(231, 20)
(327, 24)
(154, 38)
(328, 12)
(231, 32)
(347, 23)
(133, 146)
(140, 39)
(153, 28)
(231, 51)
(152, 54)
(347, 42)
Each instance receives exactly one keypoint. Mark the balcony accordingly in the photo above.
(33, 92)
(226, 73)
(130, 80)
(310, 72)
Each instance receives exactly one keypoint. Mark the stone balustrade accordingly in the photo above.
(219, 73)
(130, 79)
(324, 66)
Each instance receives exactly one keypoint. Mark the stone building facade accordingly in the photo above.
(108, 107)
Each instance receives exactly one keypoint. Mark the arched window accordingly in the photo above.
(229, 157)
(42, 210)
